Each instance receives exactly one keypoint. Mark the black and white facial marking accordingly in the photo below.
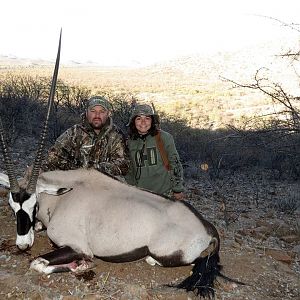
(24, 207)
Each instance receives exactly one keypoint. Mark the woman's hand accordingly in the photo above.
(178, 196)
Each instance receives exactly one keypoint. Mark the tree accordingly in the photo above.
(278, 132)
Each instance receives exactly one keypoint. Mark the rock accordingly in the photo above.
(91, 297)
(263, 222)
(134, 291)
(296, 250)
(3, 192)
(244, 232)
(279, 255)
(37, 296)
(261, 233)
(269, 214)
(236, 245)
(5, 257)
(238, 239)
(291, 238)
(228, 287)
(280, 228)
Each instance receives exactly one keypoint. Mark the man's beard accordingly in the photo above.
(98, 126)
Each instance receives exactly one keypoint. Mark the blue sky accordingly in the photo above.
(124, 32)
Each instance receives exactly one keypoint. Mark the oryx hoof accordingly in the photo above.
(151, 261)
(40, 265)
(81, 266)
(39, 226)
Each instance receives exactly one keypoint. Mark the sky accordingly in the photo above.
(132, 32)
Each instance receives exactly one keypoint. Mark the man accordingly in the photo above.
(96, 143)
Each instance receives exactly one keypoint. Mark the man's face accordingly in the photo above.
(97, 116)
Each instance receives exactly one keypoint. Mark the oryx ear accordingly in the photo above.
(62, 191)
(51, 189)
(4, 180)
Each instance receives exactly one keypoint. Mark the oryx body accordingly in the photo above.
(107, 218)
(89, 214)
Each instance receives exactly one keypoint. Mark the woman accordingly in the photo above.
(155, 163)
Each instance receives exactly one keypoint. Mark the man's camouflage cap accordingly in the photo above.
(99, 100)
(141, 110)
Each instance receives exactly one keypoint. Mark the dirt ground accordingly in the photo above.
(260, 246)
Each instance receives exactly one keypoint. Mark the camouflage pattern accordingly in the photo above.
(141, 110)
(81, 147)
(98, 100)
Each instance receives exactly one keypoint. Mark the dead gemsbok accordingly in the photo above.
(89, 214)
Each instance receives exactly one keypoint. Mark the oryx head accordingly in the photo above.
(23, 199)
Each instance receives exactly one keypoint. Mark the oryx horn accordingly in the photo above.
(14, 185)
(39, 155)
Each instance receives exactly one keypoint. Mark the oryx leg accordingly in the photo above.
(183, 250)
(64, 259)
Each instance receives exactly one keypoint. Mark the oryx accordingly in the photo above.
(89, 214)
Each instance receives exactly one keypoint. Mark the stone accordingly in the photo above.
(279, 255)
(293, 238)
(296, 250)
(3, 192)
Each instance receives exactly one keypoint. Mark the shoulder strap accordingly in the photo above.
(163, 153)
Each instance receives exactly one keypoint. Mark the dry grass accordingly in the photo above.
(190, 87)
(201, 102)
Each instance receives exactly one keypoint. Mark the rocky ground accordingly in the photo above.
(260, 247)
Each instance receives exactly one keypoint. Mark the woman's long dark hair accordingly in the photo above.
(133, 133)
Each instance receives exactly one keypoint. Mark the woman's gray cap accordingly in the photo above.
(99, 100)
(141, 110)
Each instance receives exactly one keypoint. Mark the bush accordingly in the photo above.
(289, 204)
(23, 104)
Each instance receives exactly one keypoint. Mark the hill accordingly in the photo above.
(191, 87)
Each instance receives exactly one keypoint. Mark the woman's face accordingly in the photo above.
(143, 124)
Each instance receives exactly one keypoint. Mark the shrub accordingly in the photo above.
(289, 204)
(23, 102)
